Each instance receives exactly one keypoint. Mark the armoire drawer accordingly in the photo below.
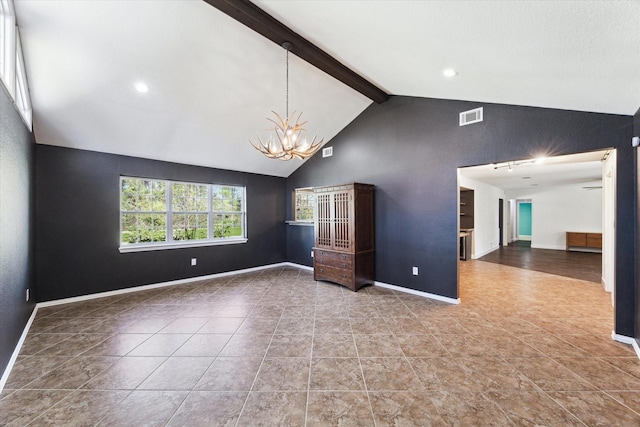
(334, 259)
(338, 275)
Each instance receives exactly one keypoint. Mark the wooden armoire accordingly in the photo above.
(344, 250)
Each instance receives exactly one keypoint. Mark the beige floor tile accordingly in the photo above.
(177, 373)
(389, 373)
(23, 406)
(275, 347)
(142, 407)
(82, 408)
(203, 345)
(283, 374)
(596, 408)
(333, 345)
(73, 373)
(336, 374)
(230, 374)
(126, 374)
(402, 408)
(273, 409)
(209, 409)
(339, 408)
(377, 346)
(290, 346)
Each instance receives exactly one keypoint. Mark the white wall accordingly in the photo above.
(560, 209)
(485, 214)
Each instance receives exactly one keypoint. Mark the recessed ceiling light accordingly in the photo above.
(449, 72)
(141, 87)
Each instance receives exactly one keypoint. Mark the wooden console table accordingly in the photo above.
(584, 240)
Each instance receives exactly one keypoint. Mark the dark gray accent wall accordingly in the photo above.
(410, 149)
(16, 226)
(77, 223)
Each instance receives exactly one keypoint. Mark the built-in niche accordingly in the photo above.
(466, 208)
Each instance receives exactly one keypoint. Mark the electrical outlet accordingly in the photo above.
(415, 271)
(194, 261)
(27, 295)
(311, 254)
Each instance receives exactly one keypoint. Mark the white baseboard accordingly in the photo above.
(525, 238)
(483, 253)
(626, 340)
(161, 285)
(419, 293)
(16, 351)
(551, 247)
(303, 267)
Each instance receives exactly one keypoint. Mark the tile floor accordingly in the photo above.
(275, 348)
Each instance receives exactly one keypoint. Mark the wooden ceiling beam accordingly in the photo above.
(261, 22)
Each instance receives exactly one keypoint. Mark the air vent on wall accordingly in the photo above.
(327, 152)
(471, 116)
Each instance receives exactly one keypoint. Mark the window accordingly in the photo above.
(190, 211)
(304, 204)
(228, 211)
(23, 102)
(8, 45)
(12, 70)
(161, 214)
(143, 211)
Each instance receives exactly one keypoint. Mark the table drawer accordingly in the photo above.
(594, 240)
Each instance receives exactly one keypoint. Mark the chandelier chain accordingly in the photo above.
(287, 99)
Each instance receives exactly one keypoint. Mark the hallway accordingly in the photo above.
(578, 265)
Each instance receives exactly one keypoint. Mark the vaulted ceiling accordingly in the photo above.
(212, 81)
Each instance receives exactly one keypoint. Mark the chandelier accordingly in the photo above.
(288, 138)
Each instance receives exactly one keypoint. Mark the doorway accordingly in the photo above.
(583, 199)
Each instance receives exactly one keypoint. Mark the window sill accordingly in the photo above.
(303, 223)
(163, 246)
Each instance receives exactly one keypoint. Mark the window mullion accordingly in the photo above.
(210, 211)
(169, 208)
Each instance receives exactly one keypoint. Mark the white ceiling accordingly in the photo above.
(213, 81)
(533, 174)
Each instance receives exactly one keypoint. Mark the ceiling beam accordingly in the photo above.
(261, 22)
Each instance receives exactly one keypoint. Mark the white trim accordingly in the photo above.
(303, 223)
(393, 287)
(526, 238)
(483, 253)
(626, 340)
(300, 266)
(157, 285)
(419, 293)
(137, 247)
(16, 351)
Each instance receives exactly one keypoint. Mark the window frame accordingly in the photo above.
(170, 242)
(22, 98)
(8, 46)
(294, 204)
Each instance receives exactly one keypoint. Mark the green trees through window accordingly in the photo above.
(160, 211)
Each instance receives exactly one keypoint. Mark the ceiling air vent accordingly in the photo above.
(327, 152)
(471, 116)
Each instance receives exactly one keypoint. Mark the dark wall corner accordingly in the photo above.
(77, 220)
(17, 146)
